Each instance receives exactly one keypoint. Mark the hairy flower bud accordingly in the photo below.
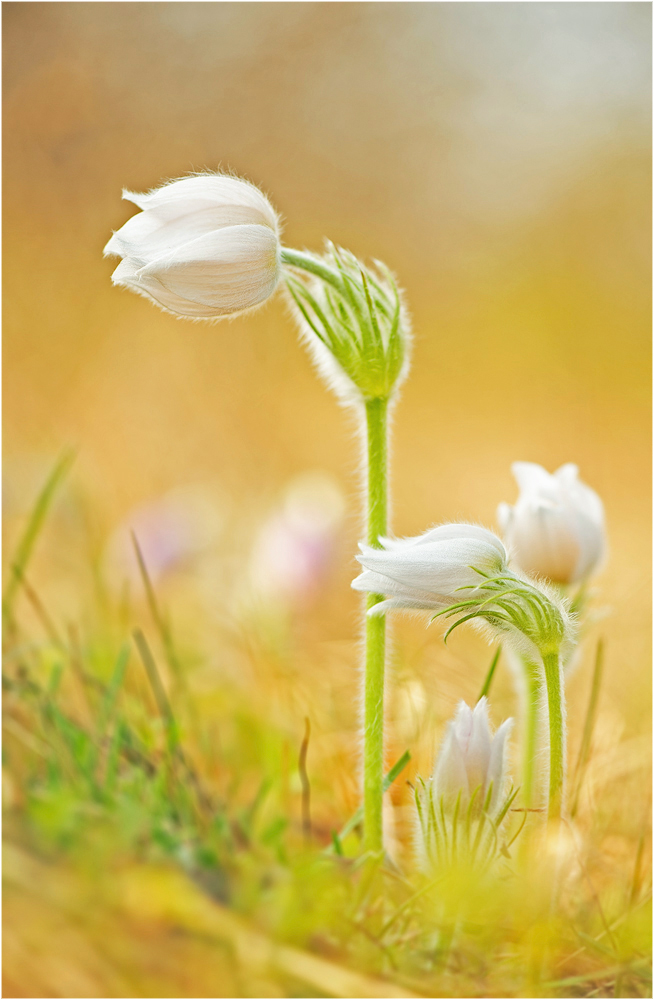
(205, 246)
(354, 321)
(556, 528)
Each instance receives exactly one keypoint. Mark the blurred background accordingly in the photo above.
(497, 157)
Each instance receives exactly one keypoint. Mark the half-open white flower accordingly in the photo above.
(432, 571)
(556, 528)
(205, 246)
(471, 760)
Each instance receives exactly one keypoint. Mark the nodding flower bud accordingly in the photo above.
(204, 247)
(556, 528)
(461, 571)
(461, 809)
(353, 320)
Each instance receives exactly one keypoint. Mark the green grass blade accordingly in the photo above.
(589, 725)
(157, 615)
(32, 530)
(489, 676)
(158, 690)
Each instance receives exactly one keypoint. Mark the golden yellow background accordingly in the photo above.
(496, 156)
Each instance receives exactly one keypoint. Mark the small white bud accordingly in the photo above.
(460, 811)
(556, 528)
(204, 247)
(471, 760)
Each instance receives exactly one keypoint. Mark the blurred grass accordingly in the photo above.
(497, 157)
(135, 828)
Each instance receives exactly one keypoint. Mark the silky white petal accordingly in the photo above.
(450, 775)
(159, 231)
(437, 567)
(532, 478)
(504, 516)
(445, 532)
(406, 604)
(375, 583)
(126, 276)
(496, 772)
(228, 270)
(478, 749)
(218, 189)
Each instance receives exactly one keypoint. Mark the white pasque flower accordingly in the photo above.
(432, 571)
(472, 760)
(461, 571)
(556, 528)
(204, 246)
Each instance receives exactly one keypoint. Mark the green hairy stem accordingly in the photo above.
(373, 746)
(556, 710)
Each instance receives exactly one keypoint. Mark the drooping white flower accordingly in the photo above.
(430, 572)
(471, 760)
(204, 246)
(556, 528)
(461, 571)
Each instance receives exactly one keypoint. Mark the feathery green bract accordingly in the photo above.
(508, 603)
(468, 835)
(355, 312)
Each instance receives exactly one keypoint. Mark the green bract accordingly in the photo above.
(352, 315)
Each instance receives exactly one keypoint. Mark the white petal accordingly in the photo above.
(126, 275)
(406, 604)
(497, 764)
(437, 567)
(504, 516)
(159, 231)
(445, 532)
(229, 270)
(450, 776)
(218, 189)
(477, 751)
(545, 541)
(532, 478)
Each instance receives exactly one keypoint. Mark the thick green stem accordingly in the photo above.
(373, 738)
(556, 709)
(534, 687)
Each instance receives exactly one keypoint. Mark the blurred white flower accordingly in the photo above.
(204, 246)
(472, 761)
(292, 550)
(556, 528)
(428, 572)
